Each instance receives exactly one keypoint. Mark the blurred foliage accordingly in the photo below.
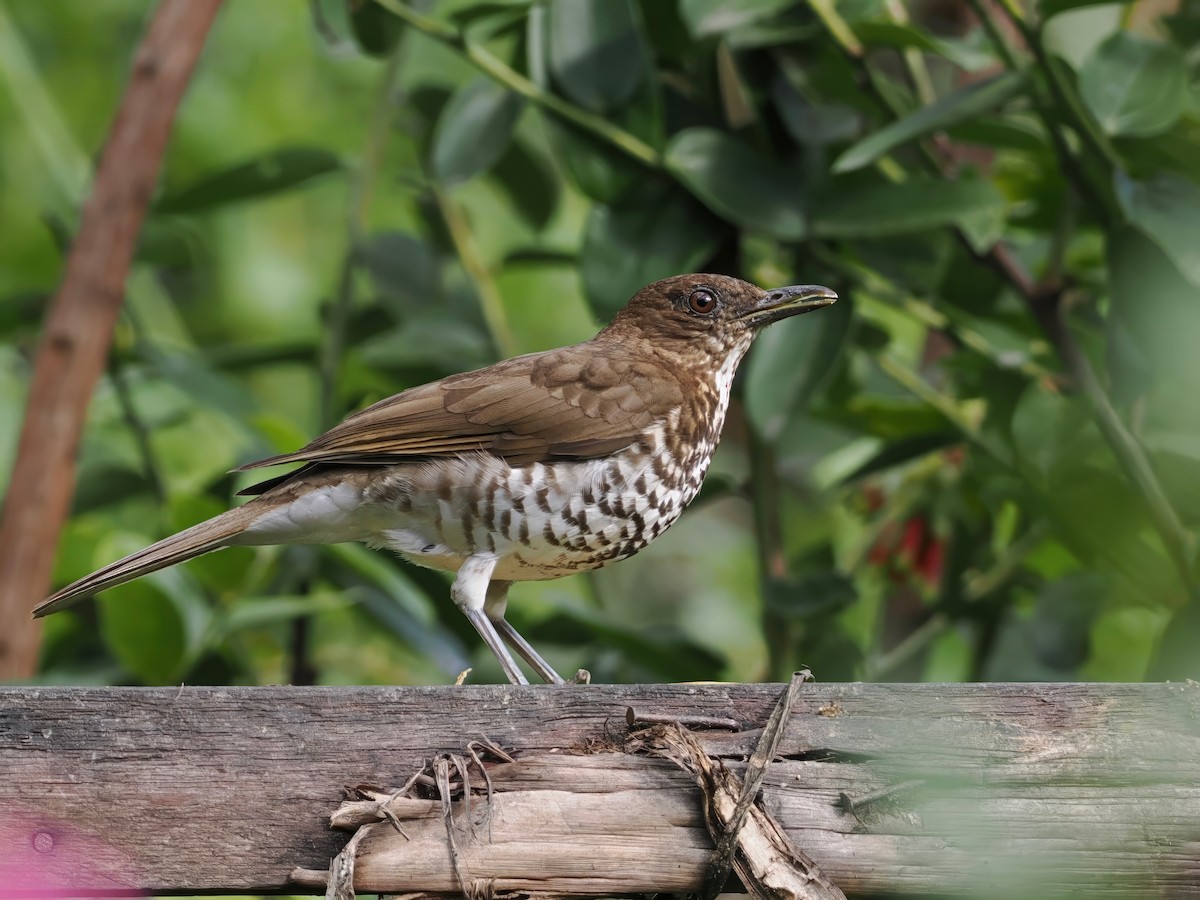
(981, 464)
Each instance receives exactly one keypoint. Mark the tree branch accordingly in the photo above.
(79, 323)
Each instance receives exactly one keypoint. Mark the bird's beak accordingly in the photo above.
(790, 301)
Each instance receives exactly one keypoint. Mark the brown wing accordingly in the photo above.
(577, 402)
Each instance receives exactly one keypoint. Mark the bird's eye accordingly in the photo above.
(702, 302)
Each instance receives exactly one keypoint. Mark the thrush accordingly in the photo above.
(530, 469)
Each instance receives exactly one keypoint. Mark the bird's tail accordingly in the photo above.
(213, 534)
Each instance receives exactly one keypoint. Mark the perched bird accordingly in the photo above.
(533, 468)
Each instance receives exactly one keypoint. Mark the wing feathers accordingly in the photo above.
(545, 406)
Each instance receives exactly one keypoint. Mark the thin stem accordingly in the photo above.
(1132, 458)
(927, 314)
(69, 167)
(772, 561)
(490, 301)
(826, 11)
(503, 73)
(1064, 95)
(916, 641)
(141, 434)
(982, 584)
(907, 378)
(1045, 300)
(362, 185)
(332, 350)
(1010, 59)
(332, 347)
(914, 61)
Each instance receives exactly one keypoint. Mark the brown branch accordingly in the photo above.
(79, 323)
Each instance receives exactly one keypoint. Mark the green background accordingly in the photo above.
(920, 483)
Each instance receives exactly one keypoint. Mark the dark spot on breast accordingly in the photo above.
(661, 467)
(467, 518)
(639, 523)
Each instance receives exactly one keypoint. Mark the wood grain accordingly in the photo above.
(1046, 788)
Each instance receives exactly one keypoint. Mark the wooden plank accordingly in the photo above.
(199, 789)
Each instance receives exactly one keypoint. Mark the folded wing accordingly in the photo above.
(561, 404)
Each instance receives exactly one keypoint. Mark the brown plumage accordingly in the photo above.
(531, 468)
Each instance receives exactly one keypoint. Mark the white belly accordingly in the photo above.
(540, 521)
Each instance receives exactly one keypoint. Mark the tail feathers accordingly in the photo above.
(210, 535)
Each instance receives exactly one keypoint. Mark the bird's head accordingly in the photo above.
(713, 314)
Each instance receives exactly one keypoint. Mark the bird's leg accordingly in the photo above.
(469, 593)
(494, 606)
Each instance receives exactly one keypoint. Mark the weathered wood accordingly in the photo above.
(1018, 787)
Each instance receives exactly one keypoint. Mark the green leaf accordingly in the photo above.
(660, 652)
(602, 172)
(596, 51)
(1166, 209)
(473, 130)
(1154, 322)
(145, 631)
(1049, 8)
(258, 612)
(271, 173)
(905, 450)
(790, 362)
(917, 204)
(529, 179)
(879, 33)
(737, 184)
(811, 124)
(709, 17)
(1062, 618)
(402, 268)
(1002, 134)
(195, 375)
(810, 595)
(433, 338)
(958, 106)
(1175, 658)
(1050, 431)
(654, 235)
(375, 29)
(1134, 86)
(422, 634)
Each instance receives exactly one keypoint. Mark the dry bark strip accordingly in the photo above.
(744, 834)
(79, 323)
(1036, 789)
